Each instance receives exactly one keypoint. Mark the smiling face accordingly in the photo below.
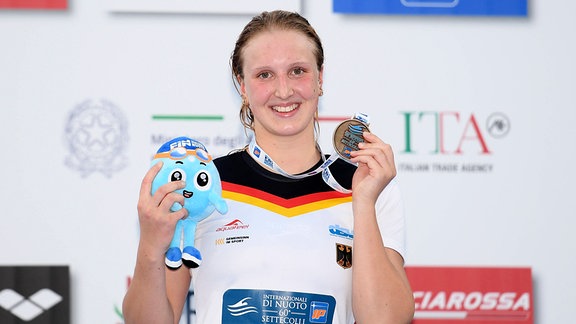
(201, 179)
(281, 82)
(185, 159)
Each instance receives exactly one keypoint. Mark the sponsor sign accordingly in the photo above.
(471, 295)
(434, 7)
(449, 142)
(203, 6)
(34, 4)
(35, 295)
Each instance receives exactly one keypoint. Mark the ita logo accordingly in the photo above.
(96, 137)
(452, 132)
(451, 141)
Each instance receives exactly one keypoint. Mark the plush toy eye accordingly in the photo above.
(203, 182)
(177, 175)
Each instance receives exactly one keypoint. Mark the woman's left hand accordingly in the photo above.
(376, 167)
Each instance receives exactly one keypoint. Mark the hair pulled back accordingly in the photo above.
(269, 21)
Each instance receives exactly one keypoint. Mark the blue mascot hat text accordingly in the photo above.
(188, 160)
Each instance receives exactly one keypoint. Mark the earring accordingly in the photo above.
(321, 92)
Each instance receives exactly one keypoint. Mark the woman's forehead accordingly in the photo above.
(279, 43)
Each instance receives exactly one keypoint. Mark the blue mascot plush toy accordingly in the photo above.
(187, 159)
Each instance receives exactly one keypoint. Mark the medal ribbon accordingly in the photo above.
(259, 155)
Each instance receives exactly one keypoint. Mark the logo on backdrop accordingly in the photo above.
(434, 7)
(96, 137)
(451, 141)
(471, 295)
(35, 295)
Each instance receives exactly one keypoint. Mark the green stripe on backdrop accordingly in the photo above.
(187, 117)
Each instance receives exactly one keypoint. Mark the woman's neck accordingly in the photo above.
(292, 154)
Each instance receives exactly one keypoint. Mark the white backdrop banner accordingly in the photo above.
(479, 111)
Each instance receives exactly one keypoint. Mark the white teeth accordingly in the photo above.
(285, 109)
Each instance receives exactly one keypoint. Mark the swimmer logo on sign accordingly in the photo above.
(270, 306)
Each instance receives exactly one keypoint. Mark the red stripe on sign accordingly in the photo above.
(471, 295)
(34, 4)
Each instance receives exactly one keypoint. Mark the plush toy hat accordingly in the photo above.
(170, 148)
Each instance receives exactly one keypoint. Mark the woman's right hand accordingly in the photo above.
(157, 221)
(156, 295)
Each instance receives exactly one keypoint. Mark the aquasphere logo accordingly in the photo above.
(34, 295)
(96, 136)
(233, 225)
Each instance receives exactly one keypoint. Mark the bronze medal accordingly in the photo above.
(347, 135)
